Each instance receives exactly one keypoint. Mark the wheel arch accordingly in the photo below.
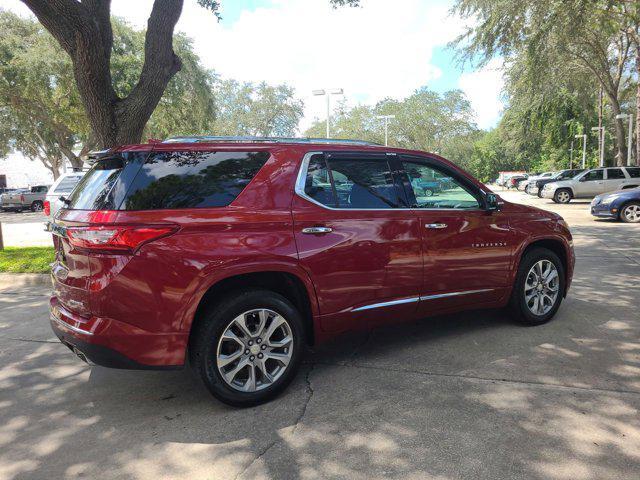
(556, 245)
(290, 285)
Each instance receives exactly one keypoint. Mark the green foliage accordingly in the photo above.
(425, 120)
(244, 108)
(26, 259)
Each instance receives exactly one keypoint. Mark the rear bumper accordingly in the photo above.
(114, 344)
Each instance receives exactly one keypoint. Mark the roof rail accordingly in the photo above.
(249, 139)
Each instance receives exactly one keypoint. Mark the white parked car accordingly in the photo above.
(591, 183)
(62, 187)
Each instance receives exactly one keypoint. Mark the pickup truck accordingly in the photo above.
(32, 199)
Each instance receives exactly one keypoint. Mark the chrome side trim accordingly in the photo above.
(454, 294)
(386, 304)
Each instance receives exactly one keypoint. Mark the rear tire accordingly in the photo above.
(562, 195)
(219, 338)
(428, 192)
(630, 213)
(530, 303)
(37, 206)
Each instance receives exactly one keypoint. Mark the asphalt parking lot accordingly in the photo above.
(470, 396)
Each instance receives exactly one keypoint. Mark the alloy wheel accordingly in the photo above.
(631, 213)
(564, 197)
(542, 287)
(254, 350)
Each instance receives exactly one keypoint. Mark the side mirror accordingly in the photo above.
(493, 203)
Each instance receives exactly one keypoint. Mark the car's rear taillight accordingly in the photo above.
(47, 208)
(115, 239)
(22, 198)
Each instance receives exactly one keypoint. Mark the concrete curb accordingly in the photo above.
(18, 280)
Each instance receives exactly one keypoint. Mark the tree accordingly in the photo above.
(42, 110)
(554, 33)
(425, 120)
(260, 110)
(84, 30)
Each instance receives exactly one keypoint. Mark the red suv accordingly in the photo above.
(233, 254)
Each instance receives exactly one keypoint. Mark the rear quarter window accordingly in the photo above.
(175, 180)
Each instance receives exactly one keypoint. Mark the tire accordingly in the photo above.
(562, 195)
(630, 212)
(207, 346)
(539, 193)
(527, 311)
(428, 192)
(37, 206)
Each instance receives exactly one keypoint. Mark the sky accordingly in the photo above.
(381, 49)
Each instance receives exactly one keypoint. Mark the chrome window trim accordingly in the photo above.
(420, 298)
(302, 177)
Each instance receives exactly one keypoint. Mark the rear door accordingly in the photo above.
(634, 177)
(357, 239)
(615, 178)
(467, 250)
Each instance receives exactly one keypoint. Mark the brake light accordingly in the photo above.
(47, 208)
(115, 239)
(22, 198)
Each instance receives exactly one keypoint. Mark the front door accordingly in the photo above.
(357, 239)
(590, 184)
(467, 250)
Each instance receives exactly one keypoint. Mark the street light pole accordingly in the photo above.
(571, 156)
(601, 138)
(386, 119)
(328, 93)
(584, 148)
(622, 116)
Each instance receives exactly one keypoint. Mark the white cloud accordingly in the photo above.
(484, 89)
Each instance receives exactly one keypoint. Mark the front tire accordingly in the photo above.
(247, 348)
(539, 287)
(562, 195)
(630, 213)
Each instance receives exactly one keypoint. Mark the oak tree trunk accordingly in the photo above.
(83, 29)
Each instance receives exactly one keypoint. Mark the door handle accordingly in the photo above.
(317, 230)
(436, 226)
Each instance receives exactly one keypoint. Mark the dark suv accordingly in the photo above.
(233, 254)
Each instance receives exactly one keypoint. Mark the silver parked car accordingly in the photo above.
(61, 188)
(591, 183)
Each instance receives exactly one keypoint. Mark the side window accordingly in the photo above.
(634, 172)
(318, 182)
(593, 175)
(615, 174)
(435, 189)
(169, 180)
(352, 183)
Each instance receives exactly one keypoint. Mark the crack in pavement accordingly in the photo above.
(260, 455)
(483, 379)
(310, 392)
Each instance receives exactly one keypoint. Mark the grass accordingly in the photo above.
(26, 259)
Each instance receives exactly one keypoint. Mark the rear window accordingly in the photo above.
(93, 192)
(67, 184)
(634, 172)
(169, 180)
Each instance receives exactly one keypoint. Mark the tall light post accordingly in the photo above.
(328, 93)
(386, 119)
(601, 132)
(571, 155)
(584, 149)
(622, 116)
